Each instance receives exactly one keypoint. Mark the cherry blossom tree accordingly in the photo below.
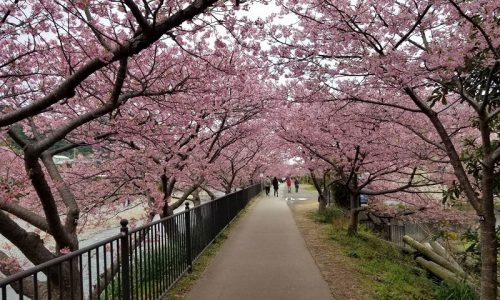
(71, 73)
(435, 61)
(363, 153)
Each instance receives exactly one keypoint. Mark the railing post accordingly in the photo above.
(188, 238)
(125, 253)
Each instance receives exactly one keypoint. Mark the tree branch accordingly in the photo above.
(483, 33)
(6, 15)
(136, 44)
(17, 138)
(419, 20)
(39, 182)
(29, 243)
(141, 20)
(353, 167)
(115, 101)
(391, 191)
(450, 149)
(66, 148)
(488, 86)
(185, 195)
(72, 212)
(25, 215)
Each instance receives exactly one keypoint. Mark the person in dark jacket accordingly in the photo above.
(267, 185)
(275, 186)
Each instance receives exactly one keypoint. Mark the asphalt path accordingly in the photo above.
(264, 257)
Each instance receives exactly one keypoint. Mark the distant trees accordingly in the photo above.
(361, 152)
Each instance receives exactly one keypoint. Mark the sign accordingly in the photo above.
(363, 199)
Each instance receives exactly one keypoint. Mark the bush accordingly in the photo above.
(456, 291)
(329, 214)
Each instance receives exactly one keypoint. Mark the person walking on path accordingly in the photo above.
(296, 183)
(289, 184)
(267, 185)
(275, 186)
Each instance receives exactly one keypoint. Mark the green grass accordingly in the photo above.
(308, 187)
(388, 273)
(330, 214)
(149, 267)
(456, 291)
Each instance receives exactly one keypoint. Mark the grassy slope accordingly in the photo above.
(388, 273)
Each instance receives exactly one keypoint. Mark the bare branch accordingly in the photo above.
(143, 23)
(29, 243)
(419, 20)
(25, 215)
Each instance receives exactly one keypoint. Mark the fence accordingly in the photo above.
(140, 263)
(394, 232)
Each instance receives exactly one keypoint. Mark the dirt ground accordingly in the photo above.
(344, 281)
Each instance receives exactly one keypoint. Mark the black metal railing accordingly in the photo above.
(139, 263)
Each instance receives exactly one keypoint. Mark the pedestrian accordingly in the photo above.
(289, 184)
(275, 186)
(267, 185)
(296, 183)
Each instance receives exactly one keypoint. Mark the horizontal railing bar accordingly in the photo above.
(181, 212)
(136, 229)
(226, 195)
(216, 236)
(232, 203)
(60, 259)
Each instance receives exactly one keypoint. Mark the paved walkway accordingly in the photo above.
(264, 258)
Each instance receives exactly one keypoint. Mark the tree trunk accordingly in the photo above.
(488, 235)
(321, 196)
(488, 258)
(483, 207)
(196, 203)
(210, 194)
(196, 198)
(354, 213)
(322, 203)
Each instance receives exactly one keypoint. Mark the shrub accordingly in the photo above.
(329, 214)
(456, 291)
